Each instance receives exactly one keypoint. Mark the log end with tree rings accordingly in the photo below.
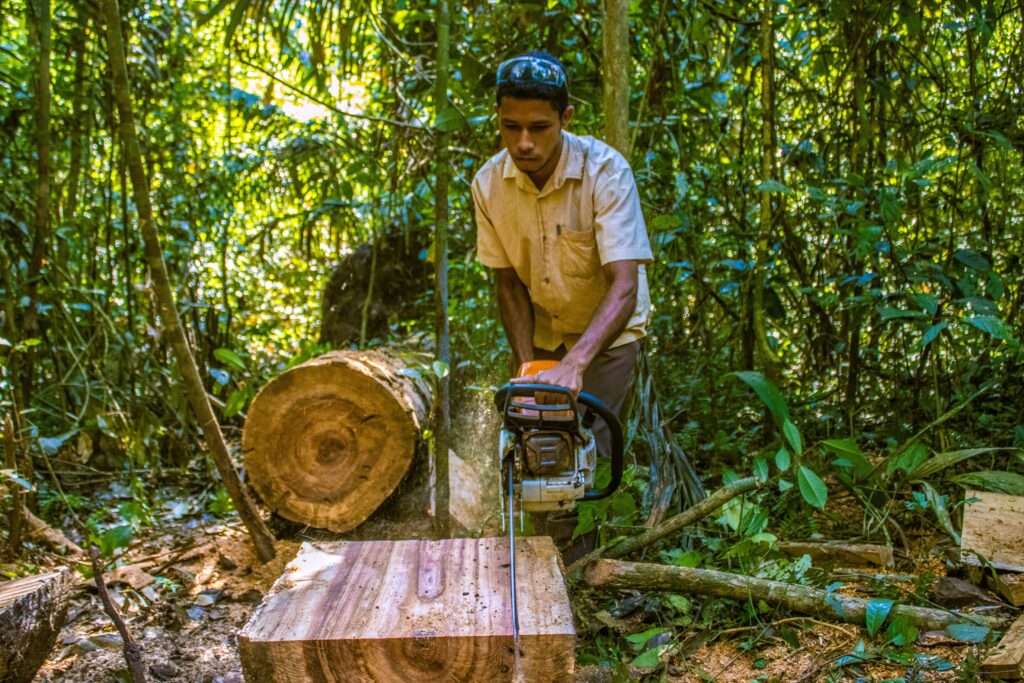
(328, 441)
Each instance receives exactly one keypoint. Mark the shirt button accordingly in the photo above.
(547, 280)
(555, 317)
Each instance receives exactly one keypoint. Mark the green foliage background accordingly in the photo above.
(281, 135)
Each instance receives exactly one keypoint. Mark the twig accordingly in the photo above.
(132, 651)
(670, 526)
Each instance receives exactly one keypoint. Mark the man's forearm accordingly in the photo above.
(516, 313)
(611, 316)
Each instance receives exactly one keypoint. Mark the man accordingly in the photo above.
(559, 221)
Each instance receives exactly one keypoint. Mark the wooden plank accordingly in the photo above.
(1010, 586)
(1006, 659)
(994, 529)
(847, 554)
(32, 612)
(412, 611)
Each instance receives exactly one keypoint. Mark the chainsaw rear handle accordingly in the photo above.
(505, 399)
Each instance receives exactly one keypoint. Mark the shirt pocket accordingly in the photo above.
(578, 255)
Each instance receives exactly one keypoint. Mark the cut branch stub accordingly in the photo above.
(328, 441)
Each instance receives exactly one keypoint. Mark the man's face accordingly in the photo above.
(532, 133)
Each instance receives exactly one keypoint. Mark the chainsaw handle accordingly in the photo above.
(597, 406)
(505, 398)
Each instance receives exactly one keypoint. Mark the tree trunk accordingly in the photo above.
(769, 360)
(615, 68)
(328, 441)
(32, 612)
(198, 400)
(441, 422)
(826, 604)
(39, 32)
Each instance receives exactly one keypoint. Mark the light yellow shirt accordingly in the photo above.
(557, 238)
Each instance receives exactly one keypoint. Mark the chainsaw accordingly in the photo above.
(548, 455)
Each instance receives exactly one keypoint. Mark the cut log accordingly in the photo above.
(328, 441)
(32, 612)
(1006, 660)
(849, 554)
(412, 611)
(830, 605)
(1010, 586)
(994, 530)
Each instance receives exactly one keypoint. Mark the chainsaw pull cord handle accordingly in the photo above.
(506, 398)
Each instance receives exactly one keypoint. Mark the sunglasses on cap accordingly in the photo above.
(531, 70)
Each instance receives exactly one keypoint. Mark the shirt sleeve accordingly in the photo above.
(618, 221)
(488, 247)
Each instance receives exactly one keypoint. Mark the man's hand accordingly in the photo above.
(566, 374)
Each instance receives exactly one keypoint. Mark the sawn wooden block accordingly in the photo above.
(412, 611)
(994, 529)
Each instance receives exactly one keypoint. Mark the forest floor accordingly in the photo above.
(190, 581)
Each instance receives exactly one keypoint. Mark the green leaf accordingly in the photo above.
(990, 325)
(230, 359)
(767, 391)
(973, 260)
(772, 185)
(761, 469)
(933, 332)
(908, 459)
(449, 119)
(1000, 482)
(848, 449)
(440, 369)
(650, 658)
(945, 459)
(812, 488)
(638, 640)
(877, 611)
(938, 505)
(20, 481)
(665, 222)
(117, 537)
(782, 460)
(890, 313)
(792, 434)
(968, 633)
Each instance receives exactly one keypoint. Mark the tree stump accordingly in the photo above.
(32, 612)
(328, 441)
(412, 611)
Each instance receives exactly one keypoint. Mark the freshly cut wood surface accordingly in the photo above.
(847, 554)
(1010, 586)
(32, 612)
(328, 441)
(994, 528)
(1006, 659)
(412, 611)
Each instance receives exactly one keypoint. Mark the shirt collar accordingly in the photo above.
(570, 165)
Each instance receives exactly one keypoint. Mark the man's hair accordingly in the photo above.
(531, 90)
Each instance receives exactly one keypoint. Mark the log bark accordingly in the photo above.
(329, 440)
(412, 611)
(613, 574)
(32, 613)
(670, 526)
(171, 325)
(848, 554)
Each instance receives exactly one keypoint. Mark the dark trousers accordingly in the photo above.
(608, 378)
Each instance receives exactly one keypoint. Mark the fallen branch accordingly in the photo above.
(829, 605)
(52, 537)
(132, 651)
(687, 517)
